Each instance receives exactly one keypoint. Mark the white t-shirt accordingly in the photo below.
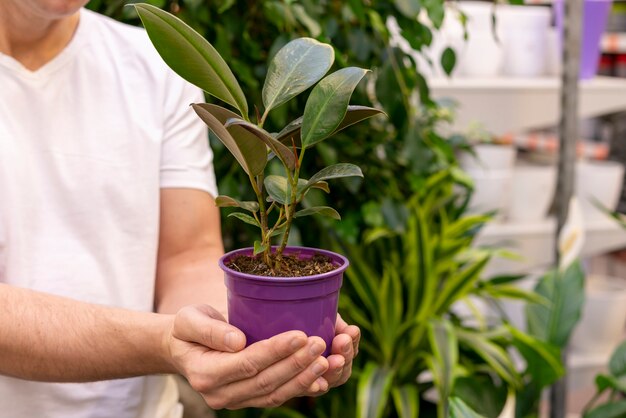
(86, 143)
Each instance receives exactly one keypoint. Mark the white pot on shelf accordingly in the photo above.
(489, 157)
(601, 181)
(532, 191)
(601, 327)
(523, 31)
(491, 191)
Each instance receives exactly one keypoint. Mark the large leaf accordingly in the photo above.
(285, 154)
(610, 410)
(554, 323)
(481, 394)
(327, 105)
(291, 133)
(191, 56)
(296, 67)
(319, 210)
(459, 409)
(406, 399)
(373, 391)
(249, 152)
(543, 360)
(227, 201)
(335, 171)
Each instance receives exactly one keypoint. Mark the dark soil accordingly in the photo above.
(291, 265)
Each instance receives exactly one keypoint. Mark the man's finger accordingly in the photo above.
(259, 356)
(198, 324)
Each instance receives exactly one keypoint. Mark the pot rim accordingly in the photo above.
(267, 279)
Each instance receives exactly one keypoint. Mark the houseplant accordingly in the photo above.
(272, 289)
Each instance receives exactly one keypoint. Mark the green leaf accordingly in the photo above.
(617, 364)
(554, 323)
(445, 350)
(191, 56)
(245, 218)
(543, 360)
(327, 105)
(481, 394)
(504, 279)
(513, 292)
(409, 8)
(335, 171)
(459, 409)
(259, 248)
(249, 152)
(406, 400)
(303, 17)
(460, 283)
(448, 60)
(285, 154)
(373, 390)
(493, 354)
(321, 185)
(279, 189)
(610, 410)
(291, 133)
(435, 11)
(296, 67)
(604, 382)
(318, 210)
(227, 201)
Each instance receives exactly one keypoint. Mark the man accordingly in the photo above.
(106, 215)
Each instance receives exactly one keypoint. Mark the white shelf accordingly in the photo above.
(534, 242)
(505, 105)
(614, 43)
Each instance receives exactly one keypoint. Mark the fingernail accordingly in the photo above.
(316, 349)
(232, 340)
(297, 343)
(323, 384)
(342, 363)
(318, 368)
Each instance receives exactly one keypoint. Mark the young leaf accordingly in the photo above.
(296, 67)
(335, 171)
(327, 105)
(249, 152)
(245, 218)
(319, 210)
(285, 154)
(259, 248)
(322, 185)
(227, 201)
(191, 56)
(279, 188)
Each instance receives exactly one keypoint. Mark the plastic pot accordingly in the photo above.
(263, 306)
(599, 181)
(489, 157)
(532, 191)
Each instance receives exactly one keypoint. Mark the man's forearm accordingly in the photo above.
(49, 338)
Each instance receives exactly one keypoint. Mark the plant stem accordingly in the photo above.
(256, 182)
(291, 207)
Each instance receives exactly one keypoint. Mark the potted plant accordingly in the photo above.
(272, 288)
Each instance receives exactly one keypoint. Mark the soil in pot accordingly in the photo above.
(291, 265)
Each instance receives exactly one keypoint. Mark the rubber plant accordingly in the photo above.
(299, 65)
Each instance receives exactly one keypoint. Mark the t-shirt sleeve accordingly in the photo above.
(186, 157)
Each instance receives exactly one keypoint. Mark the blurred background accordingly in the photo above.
(458, 201)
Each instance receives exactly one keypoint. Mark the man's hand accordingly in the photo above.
(345, 347)
(210, 354)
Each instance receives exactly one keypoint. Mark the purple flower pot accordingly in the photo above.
(263, 306)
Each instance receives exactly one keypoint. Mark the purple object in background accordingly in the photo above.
(595, 16)
(263, 306)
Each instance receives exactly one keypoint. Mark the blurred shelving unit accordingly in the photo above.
(614, 43)
(508, 104)
(534, 243)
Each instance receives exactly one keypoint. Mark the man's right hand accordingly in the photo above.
(210, 353)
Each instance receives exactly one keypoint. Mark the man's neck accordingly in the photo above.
(31, 39)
